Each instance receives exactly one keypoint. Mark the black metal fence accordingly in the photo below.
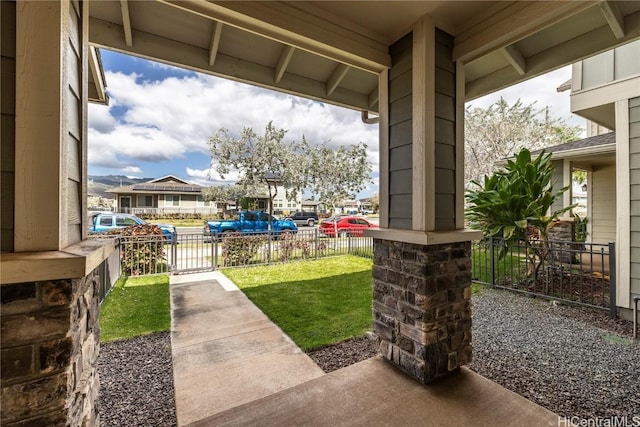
(573, 272)
(189, 252)
(197, 252)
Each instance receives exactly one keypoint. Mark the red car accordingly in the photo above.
(346, 226)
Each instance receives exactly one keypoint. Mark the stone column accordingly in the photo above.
(422, 268)
(50, 344)
(422, 306)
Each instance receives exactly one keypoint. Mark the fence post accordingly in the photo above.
(492, 264)
(214, 250)
(613, 312)
(316, 242)
(174, 252)
(348, 243)
(269, 247)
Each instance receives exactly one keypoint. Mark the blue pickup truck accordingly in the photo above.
(249, 222)
(105, 221)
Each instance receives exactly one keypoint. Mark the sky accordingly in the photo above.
(160, 118)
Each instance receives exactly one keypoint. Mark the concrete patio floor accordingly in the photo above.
(233, 366)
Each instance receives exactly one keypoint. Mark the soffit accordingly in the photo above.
(333, 51)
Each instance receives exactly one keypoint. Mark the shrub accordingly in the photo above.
(289, 243)
(142, 249)
(239, 249)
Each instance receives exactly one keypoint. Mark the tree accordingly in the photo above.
(331, 174)
(494, 133)
(516, 200)
(337, 174)
(257, 156)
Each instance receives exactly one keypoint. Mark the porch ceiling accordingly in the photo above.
(333, 51)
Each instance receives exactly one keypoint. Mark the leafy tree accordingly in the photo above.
(256, 157)
(222, 193)
(337, 174)
(331, 174)
(514, 201)
(494, 133)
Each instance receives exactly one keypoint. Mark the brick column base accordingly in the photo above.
(422, 306)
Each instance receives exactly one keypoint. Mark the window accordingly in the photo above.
(171, 200)
(250, 216)
(200, 202)
(106, 220)
(264, 216)
(125, 221)
(145, 201)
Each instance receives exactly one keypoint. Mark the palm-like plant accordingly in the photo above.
(516, 200)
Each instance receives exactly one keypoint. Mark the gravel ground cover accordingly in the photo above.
(574, 362)
(136, 382)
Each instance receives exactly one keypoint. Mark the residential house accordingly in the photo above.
(163, 196)
(412, 64)
(605, 89)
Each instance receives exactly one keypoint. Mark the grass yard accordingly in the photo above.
(136, 306)
(316, 303)
(509, 266)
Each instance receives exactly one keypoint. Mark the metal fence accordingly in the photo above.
(189, 252)
(197, 252)
(573, 272)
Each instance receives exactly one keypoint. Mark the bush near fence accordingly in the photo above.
(574, 272)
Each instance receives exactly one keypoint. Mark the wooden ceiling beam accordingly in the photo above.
(216, 34)
(515, 58)
(511, 24)
(149, 46)
(374, 97)
(591, 43)
(335, 79)
(289, 25)
(614, 18)
(126, 22)
(283, 62)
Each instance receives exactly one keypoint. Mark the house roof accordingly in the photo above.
(599, 143)
(164, 185)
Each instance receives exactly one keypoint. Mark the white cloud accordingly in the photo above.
(132, 169)
(165, 120)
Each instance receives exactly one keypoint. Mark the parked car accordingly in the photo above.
(346, 226)
(249, 222)
(105, 221)
(304, 218)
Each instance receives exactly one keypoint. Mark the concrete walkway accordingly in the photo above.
(234, 367)
(226, 352)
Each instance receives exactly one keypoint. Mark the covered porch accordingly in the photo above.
(410, 66)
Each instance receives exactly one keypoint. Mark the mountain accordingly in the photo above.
(98, 185)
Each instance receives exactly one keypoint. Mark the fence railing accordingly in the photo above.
(573, 272)
(197, 252)
(188, 252)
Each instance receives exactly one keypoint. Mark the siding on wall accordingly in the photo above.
(445, 143)
(603, 205)
(400, 134)
(73, 122)
(7, 122)
(634, 180)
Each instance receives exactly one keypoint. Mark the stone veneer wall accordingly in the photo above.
(50, 345)
(422, 306)
(563, 231)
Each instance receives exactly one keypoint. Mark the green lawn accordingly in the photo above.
(316, 303)
(511, 266)
(136, 306)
